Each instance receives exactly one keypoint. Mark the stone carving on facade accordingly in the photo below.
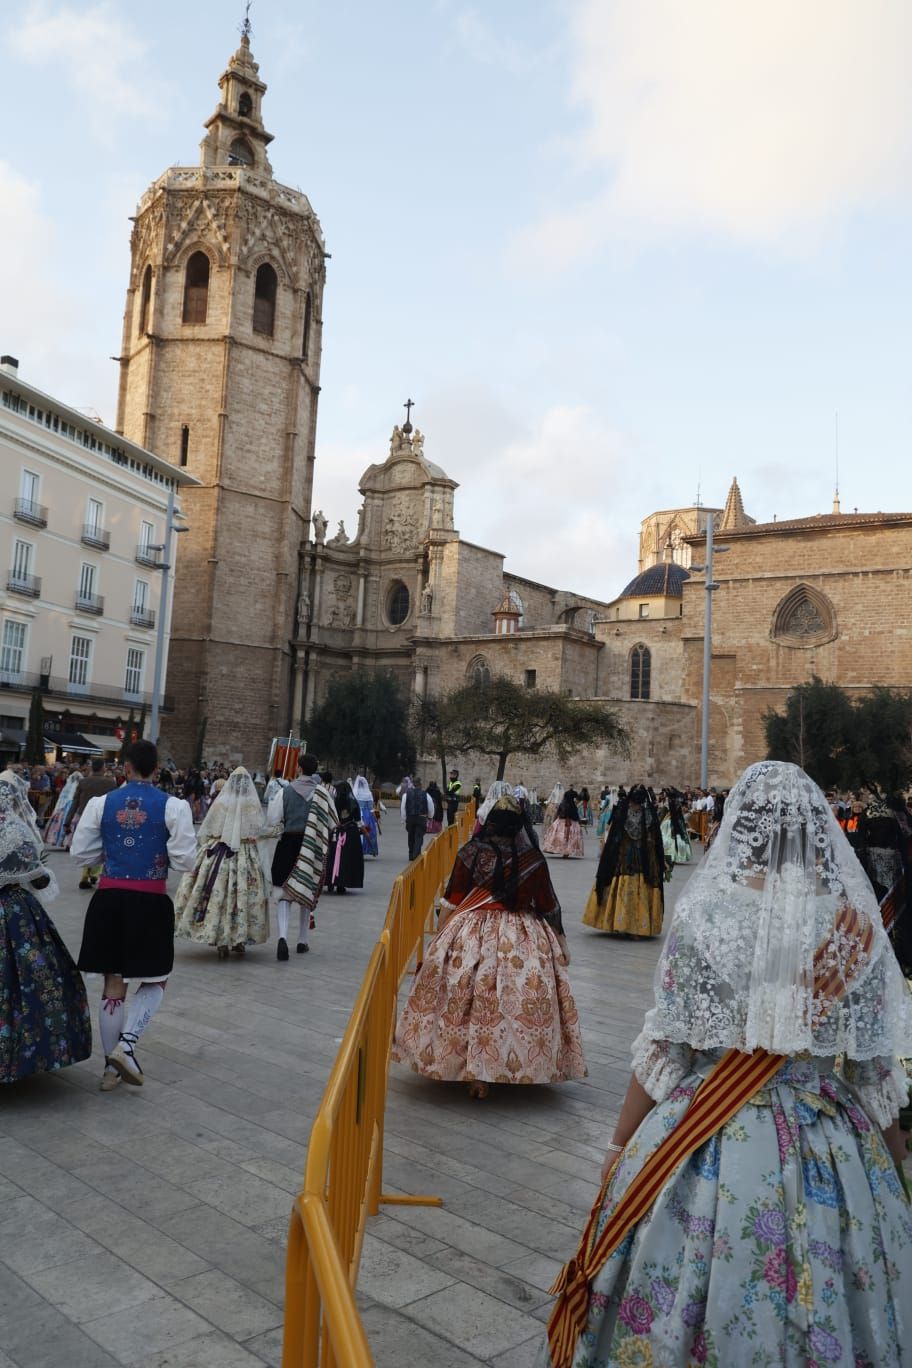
(805, 617)
(400, 532)
(427, 600)
(320, 524)
(418, 444)
(805, 621)
(146, 234)
(341, 537)
(198, 220)
(343, 586)
(304, 609)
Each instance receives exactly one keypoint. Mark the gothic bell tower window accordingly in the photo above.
(264, 300)
(145, 297)
(308, 313)
(196, 289)
(245, 105)
(640, 672)
(239, 153)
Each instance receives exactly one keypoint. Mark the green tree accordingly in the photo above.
(363, 724)
(814, 732)
(881, 745)
(34, 738)
(128, 735)
(431, 723)
(501, 718)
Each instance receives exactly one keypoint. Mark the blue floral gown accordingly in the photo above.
(44, 1016)
(785, 1240)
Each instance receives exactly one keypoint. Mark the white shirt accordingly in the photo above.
(430, 805)
(88, 846)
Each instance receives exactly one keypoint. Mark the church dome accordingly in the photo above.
(665, 580)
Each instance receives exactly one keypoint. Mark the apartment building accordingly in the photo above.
(83, 515)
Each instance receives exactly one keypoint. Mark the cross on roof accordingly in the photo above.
(246, 29)
(408, 406)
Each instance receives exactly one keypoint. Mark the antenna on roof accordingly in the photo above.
(699, 482)
(836, 495)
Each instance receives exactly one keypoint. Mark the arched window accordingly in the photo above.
(264, 300)
(308, 311)
(239, 153)
(398, 602)
(196, 289)
(145, 297)
(804, 617)
(478, 672)
(245, 105)
(640, 671)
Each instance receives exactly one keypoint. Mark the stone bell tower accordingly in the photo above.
(220, 373)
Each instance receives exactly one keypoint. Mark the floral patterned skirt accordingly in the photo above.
(236, 910)
(785, 1239)
(492, 1002)
(563, 838)
(44, 1016)
(630, 907)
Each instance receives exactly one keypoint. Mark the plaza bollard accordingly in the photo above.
(344, 1170)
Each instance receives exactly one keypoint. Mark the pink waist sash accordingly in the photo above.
(135, 885)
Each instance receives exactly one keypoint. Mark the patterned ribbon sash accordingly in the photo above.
(732, 1083)
(892, 901)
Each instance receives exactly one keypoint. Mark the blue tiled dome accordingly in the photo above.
(663, 580)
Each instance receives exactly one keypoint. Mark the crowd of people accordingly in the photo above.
(752, 1205)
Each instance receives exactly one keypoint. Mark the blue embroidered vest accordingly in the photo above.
(134, 833)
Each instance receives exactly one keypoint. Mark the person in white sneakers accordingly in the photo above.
(137, 833)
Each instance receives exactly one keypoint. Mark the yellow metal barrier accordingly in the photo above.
(343, 1174)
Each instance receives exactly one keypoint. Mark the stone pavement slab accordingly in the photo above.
(148, 1226)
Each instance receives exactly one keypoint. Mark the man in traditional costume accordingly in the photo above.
(628, 898)
(137, 833)
(751, 1209)
(303, 815)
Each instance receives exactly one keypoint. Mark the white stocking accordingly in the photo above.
(304, 932)
(110, 1022)
(144, 1003)
(282, 910)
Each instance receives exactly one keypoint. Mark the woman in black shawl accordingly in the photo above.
(628, 897)
(492, 1002)
(345, 854)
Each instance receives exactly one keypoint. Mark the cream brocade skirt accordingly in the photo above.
(492, 1003)
(564, 838)
(630, 907)
(238, 908)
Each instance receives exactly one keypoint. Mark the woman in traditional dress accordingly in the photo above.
(496, 790)
(224, 901)
(44, 1016)
(344, 857)
(628, 898)
(552, 803)
(565, 834)
(370, 844)
(435, 823)
(675, 838)
(604, 819)
(751, 1211)
(55, 832)
(492, 1002)
(585, 807)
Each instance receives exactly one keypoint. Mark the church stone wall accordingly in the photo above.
(865, 574)
(662, 636)
(664, 749)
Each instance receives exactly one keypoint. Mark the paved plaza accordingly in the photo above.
(148, 1226)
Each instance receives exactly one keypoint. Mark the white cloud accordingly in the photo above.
(43, 312)
(485, 44)
(97, 53)
(764, 121)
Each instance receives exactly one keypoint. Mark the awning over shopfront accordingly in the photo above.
(109, 744)
(12, 737)
(70, 741)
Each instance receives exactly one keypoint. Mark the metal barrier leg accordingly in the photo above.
(302, 1300)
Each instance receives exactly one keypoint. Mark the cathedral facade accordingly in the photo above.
(220, 373)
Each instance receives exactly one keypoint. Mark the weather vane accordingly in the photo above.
(246, 29)
(408, 406)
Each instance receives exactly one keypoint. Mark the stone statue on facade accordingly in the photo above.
(304, 609)
(320, 524)
(341, 537)
(427, 600)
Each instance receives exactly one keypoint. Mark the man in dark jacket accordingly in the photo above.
(91, 785)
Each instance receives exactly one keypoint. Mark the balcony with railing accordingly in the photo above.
(53, 686)
(89, 603)
(27, 585)
(93, 535)
(142, 617)
(27, 511)
(147, 555)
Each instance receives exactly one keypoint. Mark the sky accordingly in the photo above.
(617, 251)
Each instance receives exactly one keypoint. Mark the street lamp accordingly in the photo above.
(710, 587)
(165, 566)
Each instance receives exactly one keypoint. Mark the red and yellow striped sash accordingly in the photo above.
(734, 1081)
(891, 902)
